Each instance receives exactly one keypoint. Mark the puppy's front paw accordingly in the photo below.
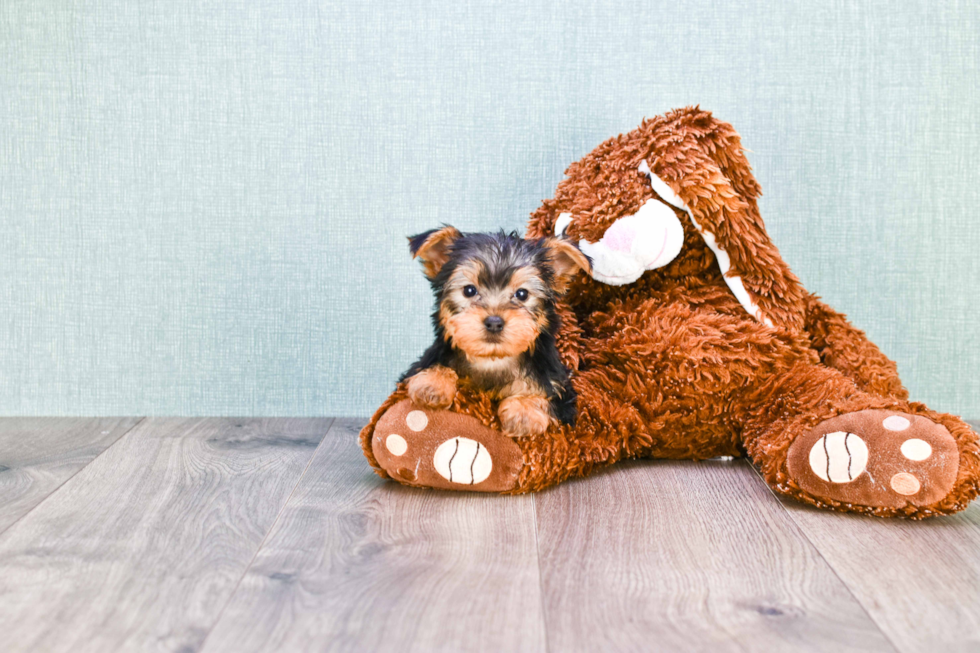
(524, 415)
(433, 388)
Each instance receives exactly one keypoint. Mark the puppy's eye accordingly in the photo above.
(469, 291)
(521, 295)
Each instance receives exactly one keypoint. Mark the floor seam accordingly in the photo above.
(265, 538)
(77, 472)
(537, 557)
(827, 562)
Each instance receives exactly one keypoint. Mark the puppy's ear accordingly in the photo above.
(433, 248)
(566, 259)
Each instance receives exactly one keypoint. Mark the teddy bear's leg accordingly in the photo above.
(819, 438)
(464, 448)
(846, 348)
(839, 344)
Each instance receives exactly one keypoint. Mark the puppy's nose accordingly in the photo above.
(494, 324)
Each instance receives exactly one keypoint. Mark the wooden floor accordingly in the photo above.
(274, 535)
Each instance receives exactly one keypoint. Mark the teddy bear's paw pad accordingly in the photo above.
(877, 458)
(461, 460)
(442, 449)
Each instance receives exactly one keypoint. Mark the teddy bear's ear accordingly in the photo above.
(684, 175)
(433, 248)
(566, 259)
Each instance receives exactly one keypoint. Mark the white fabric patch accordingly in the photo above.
(396, 444)
(650, 238)
(916, 449)
(839, 457)
(561, 224)
(724, 260)
(464, 461)
(416, 420)
(896, 423)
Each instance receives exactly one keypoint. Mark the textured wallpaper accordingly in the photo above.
(203, 206)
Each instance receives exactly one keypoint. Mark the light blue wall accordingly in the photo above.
(203, 206)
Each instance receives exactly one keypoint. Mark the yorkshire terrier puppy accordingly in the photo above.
(495, 324)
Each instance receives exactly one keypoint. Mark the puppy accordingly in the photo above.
(495, 324)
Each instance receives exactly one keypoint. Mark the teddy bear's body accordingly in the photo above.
(693, 339)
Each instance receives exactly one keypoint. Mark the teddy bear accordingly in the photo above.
(690, 338)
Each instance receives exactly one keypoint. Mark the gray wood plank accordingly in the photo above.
(38, 454)
(919, 581)
(141, 549)
(679, 555)
(360, 564)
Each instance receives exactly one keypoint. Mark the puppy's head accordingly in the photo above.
(495, 293)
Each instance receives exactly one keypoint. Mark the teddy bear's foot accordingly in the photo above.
(442, 449)
(876, 458)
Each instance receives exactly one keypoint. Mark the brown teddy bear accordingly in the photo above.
(691, 338)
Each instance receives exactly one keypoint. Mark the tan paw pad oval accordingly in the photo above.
(916, 449)
(896, 423)
(396, 444)
(905, 484)
(417, 421)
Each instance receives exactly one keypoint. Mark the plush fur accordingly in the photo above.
(674, 366)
